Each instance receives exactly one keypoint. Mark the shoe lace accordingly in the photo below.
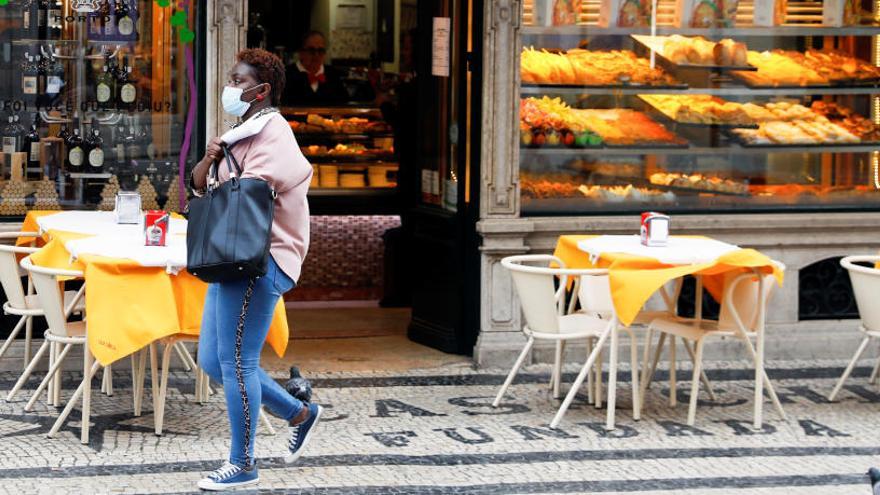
(294, 435)
(225, 471)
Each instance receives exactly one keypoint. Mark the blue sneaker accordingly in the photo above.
(302, 433)
(229, 477)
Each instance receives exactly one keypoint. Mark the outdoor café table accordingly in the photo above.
(136, 294)
(636, 272)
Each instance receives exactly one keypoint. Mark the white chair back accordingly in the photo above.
(50, 293)
(866, 288)
(10, 273)
(744, 299)
(539, 299)
(594, 295)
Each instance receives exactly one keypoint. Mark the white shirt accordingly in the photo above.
(303, 69)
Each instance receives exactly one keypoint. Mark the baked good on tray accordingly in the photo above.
(863, 128)
(700, 51)
(699, 109)
(590, 68)
(776, 68)
(796, 132)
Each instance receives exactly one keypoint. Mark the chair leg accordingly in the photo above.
(159, 413)
(703, 377)
(590, 376)
(28, 338)
(516, 367)
(134, 381)
(579, 380)
(770, 390)
(634, 375)
(875, 372)
(154, 376)
(107, 381)
(852, 363)
(56, 381)
(86, 395)
(695, 382)
(72, 402)
(184, 356)
(597, 365)
(646, 360)
(612, 379)
(142, 376)
(673, 395)
(50, 394)
(649, 374)
(557, 368)
(27, 371)
(12, 335)
(45, 382)
(264, 418)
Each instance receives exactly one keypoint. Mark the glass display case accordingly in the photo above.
(351, 150)
(95, 99)
(756, 106)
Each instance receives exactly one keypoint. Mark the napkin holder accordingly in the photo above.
(128, 207)
(655, 229)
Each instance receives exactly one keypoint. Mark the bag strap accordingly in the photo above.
(230, 161)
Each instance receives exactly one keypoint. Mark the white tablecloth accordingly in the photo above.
(98, 223)
(679, 250)
(107, 238)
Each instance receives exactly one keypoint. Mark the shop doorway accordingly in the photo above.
(378, 125)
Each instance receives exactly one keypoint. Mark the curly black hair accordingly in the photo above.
(268, 68)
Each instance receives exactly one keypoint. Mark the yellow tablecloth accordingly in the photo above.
(634, 279)
(128, 305)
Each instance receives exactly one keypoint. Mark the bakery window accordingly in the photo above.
(768, 106)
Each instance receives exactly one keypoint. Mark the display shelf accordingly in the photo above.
(865, 30)
(85, 175)
(547, 89)
(383, 160)
(306, 138)
(697, 150)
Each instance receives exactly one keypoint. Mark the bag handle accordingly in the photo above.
(230, 161)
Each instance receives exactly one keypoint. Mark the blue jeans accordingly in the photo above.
(232, 357)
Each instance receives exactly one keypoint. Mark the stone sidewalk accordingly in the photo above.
(433, 432)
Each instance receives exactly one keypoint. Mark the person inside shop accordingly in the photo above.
(238, 313)
(309, 81)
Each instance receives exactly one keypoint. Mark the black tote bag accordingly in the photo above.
(227, 236)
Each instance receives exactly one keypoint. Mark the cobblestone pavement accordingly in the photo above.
(433, 432)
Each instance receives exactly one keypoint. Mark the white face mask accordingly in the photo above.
(231, 100)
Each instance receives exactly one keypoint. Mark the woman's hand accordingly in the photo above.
(213, 154)
(214, 150)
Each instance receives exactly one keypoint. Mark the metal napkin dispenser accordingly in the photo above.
(128, 207)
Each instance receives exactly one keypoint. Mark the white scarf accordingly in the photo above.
(248, 128)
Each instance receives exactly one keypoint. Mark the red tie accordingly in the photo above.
(316, 78)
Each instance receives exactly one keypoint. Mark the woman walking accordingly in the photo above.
(237, 314)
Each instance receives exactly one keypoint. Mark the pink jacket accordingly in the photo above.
(272, 154)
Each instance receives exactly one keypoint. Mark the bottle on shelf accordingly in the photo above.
(105, 90)
(75, 150)
(119, 147)
(55, 20)
(11, 136)
(132, 145)
(29, 19)
(43, 19)
(95, 145)
(31, 146)
(127, 88)
(29, 75)
(124, 22)
(54, 78)
(40, 65)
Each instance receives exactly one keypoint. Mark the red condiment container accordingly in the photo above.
(155, 227)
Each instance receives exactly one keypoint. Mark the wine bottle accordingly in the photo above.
(29, 76)
(127, 89)
(43, 19)
(56, 19)
(41, 77)
(11, 137)
(75, 152)
(124, 22)
(54, 78)
(96, 150)
(105, 91)
(29, 19)
(132, 145)
(32, 146)
(119, 147)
